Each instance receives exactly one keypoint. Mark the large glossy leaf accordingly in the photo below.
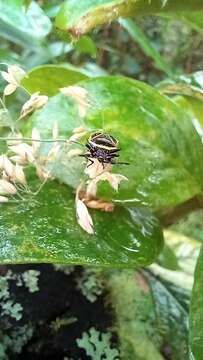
(196, 312)
(191, 89)
(135, 324)
(25, 28)
(48, 79)
(195, 108)
(155, 323)
(44, 229)
(171, 304)
(79, 17)
(156, 138)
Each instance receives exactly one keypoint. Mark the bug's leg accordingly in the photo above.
(92, 162)
(113, 155)
(88, 146)
(86, 155)
(115, 150)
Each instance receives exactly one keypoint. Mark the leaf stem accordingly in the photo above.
(29, 139)
(172, 215)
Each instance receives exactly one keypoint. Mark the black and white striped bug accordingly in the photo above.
(104, 148)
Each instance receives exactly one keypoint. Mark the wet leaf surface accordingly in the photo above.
(45, 230)
(155, 136)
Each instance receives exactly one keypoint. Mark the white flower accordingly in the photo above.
(79, 94)
(83, 217)
(42, 173)
(3, 199)
(13, 76)
(96, 168)
(6, 187)
(36, 101)
(77, 136)
(6, 164)
(19, 175)
(97, 173)
(18, 160)
(24, 150)
(79, 129)
(113, 179)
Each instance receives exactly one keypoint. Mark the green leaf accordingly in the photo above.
(191, 226)
(191, 89)
(194, 19)
(45, 54)
(155, 318)
(185, 248)
(195, 108)
(24, 28)
(171, 306)
(45, 230)
(186, 85)
(156, 137)
(97, 345)
(80, 17)
(196, 312)
(186, 251)
(87, 46)
(168, 259)
(139, 36)
(48, 79)
(137, 329)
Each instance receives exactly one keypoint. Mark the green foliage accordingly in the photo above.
(7, 305)
(86, 45)
(97, 345)
(58, 323)
(15, 342)
(81, 17)
(172, 315)
(196, 313)
(135, 316)
(168, 259)
(156, 137)
(139, 36)
(161, 138)
(12, 309)
(46, 230)
(30, 278)
(48, 79)
(191, 225)
(151, 315)
(90, 284)
(24, 28)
